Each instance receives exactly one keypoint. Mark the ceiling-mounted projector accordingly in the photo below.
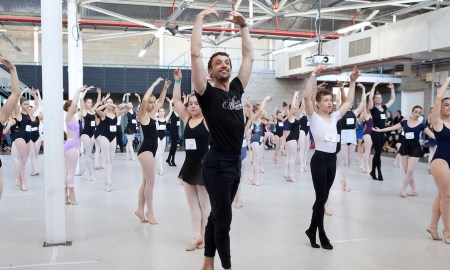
(320, 60)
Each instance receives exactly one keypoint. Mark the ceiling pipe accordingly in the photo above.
(211, 29)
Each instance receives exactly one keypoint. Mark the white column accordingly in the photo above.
(52, 86)
(74, 55)
(250, 11)
(36, 44)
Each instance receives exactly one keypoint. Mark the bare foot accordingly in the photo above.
(141, 216)
(208, 263)
(151, 219)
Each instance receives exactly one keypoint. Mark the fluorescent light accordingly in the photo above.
(142, 52)
(416, 7)
(353, 27)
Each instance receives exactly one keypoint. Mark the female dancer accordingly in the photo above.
(35, 143)
(108, 140)
(431, 142)
(98, 133)
(348, 137)
(410, 150)
(291, 140)
(9, 105)
(196, 135)
(131, 128)
(378, 112)
(359, 138)
(278, 122)
(323, 162)
(71, 145)
(87, 134)
(147, 151)
(173, 130)
(161, 126)
(257, 141)
(23, 138)
(304, 140)
(440, 165)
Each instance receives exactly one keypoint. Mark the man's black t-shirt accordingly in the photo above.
(223, 112)
(397, 120)
(379, 117)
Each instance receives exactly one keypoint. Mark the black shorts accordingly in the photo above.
(410, 148)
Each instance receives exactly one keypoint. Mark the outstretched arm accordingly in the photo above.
(99, 99)
(74, 105)
(162, 97)
(178, 104)
(13, 99)
(307, 95)
(260, 111)
(436, 120)
(371, 93)
(362, 103)
(170, 108)
(347, 104)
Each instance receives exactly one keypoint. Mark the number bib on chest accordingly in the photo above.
(27, 128)
(113, 128)
(280, 124)
(409, 135)
(383, 116)
(133, 121)
(332, 137)
(350, 121)
(191, 144)
(162, 127)
(92, 123)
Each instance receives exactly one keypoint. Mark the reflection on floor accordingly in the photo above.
(372, 227)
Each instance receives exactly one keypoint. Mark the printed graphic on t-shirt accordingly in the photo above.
(233, 104)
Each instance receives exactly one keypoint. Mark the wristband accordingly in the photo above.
(154, 84)
(243, 25)
(177, 81)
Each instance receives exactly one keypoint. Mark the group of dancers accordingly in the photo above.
(218, 130)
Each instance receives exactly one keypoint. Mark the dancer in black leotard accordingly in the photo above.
(292, 139)
(147, 151)
(23, 138)
(131, 128)
(196, 135)
(99, 163)
(440, 166)
(108, 140)
(378, 113)
(35, 143)
(277, 117)
(162, 126)
(9, 105)
(173, 130)
(87, 134)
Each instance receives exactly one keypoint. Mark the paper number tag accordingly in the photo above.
(307, 123)
(92, 123)
(350, 121)
(244, 143)
(330, 137)
(113, 128)
(34, 129)
(162, 127)
(383, 116)
(280, 124)
(178, 123)
(27, 128)
(409, 135)
(191, 144)
(133, 121)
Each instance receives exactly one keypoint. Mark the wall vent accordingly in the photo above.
(295, 62)
(359, 47)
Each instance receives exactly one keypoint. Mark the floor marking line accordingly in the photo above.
(47, 264)
(350, 240)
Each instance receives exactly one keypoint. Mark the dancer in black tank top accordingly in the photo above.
(162, 126)
(147, 151)
(304, 140)
(98, 133)
(378, 112)
(87, 114)
(131, 128)
(108, 140)
(292, 139)
(277, 117)
(173, 127)
(34, 137)
(9, 105)
(196, 136)
(23, 137)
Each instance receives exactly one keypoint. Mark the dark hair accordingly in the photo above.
(67, 105)
(399, 111)
(216, 54)
(278, 111)
(446, 98)
(417, 107)
(284, 104)
(22, 100)
(377, 93)
(321, 93)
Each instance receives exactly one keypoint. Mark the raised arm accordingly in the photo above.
(362, 103)
(178, 104)
(122, 108)
(371, 93)
(294, 105)
(37, 103)
(247, 49)
(74, 105)
(261, 109)
(392, 99)
(124, 97)
(307, 95)
(436, 120)
(162, 97)
(13, 99)
(347, 104)
(170, 108)
(197, 66)
(248, 106)
(138, 97)
(99, 99)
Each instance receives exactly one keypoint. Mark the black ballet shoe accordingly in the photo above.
(372, 173)
(173, 164)
(380, 177)
(168, 162)
(312, 238)
(325, 243)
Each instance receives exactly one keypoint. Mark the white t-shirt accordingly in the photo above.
(325, 134)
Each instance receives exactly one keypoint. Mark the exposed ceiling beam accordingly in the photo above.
(263, 7)
(351, 7)
(116, 35)
(120, 16)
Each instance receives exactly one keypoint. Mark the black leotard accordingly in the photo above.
(295, 131)
(161, 128)
(279, 127)
(24, 128)
(150, 142)
(34, 134)
(89, 125)
(110, 128)
(304, 124)
(131, 123)
(191, 172)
